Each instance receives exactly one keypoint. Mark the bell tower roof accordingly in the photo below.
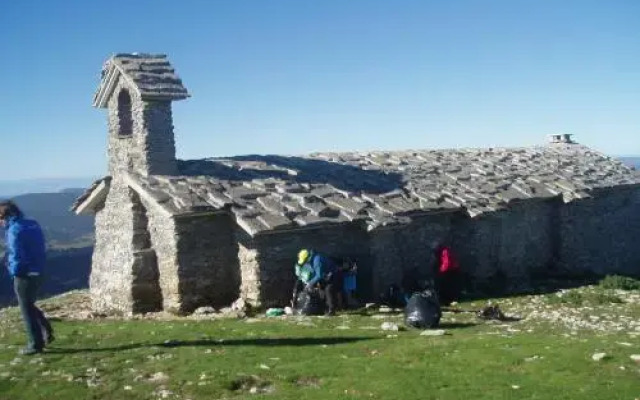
(151, 75)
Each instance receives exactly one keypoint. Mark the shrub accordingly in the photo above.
(577, 298)
(619, 282)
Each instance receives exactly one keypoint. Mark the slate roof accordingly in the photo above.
(150, 74)
(268, 193)
(89, 191)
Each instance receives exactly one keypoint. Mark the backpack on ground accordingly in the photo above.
(423, 310)
(393, 297)
(309, 303)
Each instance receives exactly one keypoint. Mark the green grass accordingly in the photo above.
(319, 358)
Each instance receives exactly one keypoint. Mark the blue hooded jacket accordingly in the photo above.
(317, 266)
(25, 247)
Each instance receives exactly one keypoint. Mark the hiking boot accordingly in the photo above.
(29, 351)
(48, 339)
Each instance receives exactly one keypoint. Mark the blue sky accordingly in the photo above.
(294, 76)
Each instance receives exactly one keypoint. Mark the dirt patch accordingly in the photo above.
(251, 384)
(308, 381)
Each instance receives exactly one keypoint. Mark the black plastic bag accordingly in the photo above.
(309, 302)
(423, 310)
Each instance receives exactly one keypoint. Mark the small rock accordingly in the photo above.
(598, 356)
(204, 310)
(127, 387)
(433, 332)
(158, 377)
(635, 357)
(389, 326)
(164, 393)
(264, 366)
(515, 387)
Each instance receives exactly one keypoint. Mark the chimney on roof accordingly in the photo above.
(561, 138)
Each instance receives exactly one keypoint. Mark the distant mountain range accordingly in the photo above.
(66, 270)
(10, 188)
(69, 239)
(634, 161)
(62, 228)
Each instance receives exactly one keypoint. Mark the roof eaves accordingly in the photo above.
(108, 84)
(143, 193)
(93, 198)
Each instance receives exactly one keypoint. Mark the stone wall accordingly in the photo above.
(271, 283)
(405, 251)
(162, 233)
(208, 272)
(145, 288)
(111, 280)
(507, 247)
(150, 149)
(516, 243)
(250, 286)
(124, 274)
(601, 234)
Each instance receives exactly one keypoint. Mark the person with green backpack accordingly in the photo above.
(314, 271)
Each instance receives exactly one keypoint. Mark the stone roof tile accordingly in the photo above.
(280, 192)
(150, 74)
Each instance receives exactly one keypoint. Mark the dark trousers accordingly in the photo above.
(36, 324)
(328, 288)
(449, 286)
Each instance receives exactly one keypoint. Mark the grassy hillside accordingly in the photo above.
(574, 344)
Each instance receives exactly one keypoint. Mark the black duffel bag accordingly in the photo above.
(423, 310)
(309, 302)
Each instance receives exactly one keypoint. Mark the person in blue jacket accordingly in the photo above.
(314, 270)
(25, 256)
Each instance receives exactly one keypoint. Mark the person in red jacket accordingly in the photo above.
(448, 277)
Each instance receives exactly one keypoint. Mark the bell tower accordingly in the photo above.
(137, 90)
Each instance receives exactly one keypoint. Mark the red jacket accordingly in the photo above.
(448, 263)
